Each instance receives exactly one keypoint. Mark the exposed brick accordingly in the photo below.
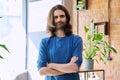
(115, 27)
(115, 21)
(109, 78)
(115, 44)
(117, 66)
(114, 5)
(117, 1)
(109, 75)
(100, 15)
(98, 11)
(115, 12)
(118, 75)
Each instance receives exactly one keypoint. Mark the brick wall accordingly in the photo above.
(100, 11)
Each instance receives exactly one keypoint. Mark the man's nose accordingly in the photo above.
(59, 19)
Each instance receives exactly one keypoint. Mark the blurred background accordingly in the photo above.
(22, 25)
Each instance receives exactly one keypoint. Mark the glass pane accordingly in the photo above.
(12, 34)
(37, 17)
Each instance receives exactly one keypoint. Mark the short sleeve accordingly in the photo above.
(77, 51)
(42, 56)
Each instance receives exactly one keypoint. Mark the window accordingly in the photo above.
(13, 35)
(18, 32)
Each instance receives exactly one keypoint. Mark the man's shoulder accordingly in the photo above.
(75, 36)
(45, 39)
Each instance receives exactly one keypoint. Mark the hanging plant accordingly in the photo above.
(80, 5)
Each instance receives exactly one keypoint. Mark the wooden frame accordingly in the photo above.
(102, 27)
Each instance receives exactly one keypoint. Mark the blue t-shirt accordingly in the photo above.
(60, 50)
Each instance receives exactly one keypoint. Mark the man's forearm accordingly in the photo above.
(49, 72)
(65, 68)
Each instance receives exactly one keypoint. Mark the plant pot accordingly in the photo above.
(88, 65)
(80, 8)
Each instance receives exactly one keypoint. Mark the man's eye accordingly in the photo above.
(62, 16)
(55, 17)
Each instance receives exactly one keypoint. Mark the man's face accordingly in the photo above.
(59, 19)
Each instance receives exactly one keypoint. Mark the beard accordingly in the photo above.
(60, 25)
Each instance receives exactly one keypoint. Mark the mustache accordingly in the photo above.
(59, 22)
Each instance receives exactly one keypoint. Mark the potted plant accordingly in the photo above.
(95, 46)
(80, 5)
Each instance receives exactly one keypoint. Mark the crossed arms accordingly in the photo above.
(54, 69)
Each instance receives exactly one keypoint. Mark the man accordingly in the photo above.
(60, 55)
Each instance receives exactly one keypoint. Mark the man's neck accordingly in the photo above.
(60, 33)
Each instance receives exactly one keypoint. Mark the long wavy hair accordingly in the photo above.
(51, 28)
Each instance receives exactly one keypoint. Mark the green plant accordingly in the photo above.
(4, 47)
(80, 4)
(95, 46)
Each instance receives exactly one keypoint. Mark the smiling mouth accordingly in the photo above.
(59, 23)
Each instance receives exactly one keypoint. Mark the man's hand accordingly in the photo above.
(49, 72)
(73, 59)
(70, 67)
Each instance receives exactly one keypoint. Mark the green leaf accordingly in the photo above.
(104, 54)
(98, 36)
(101, 58)
(4, 47)
(92, 21)
(86, 29)
(96, 61)
(89, 37)
(94, 51)
(113, 49)
(105, 50)
(1, 57)
(103, 44)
